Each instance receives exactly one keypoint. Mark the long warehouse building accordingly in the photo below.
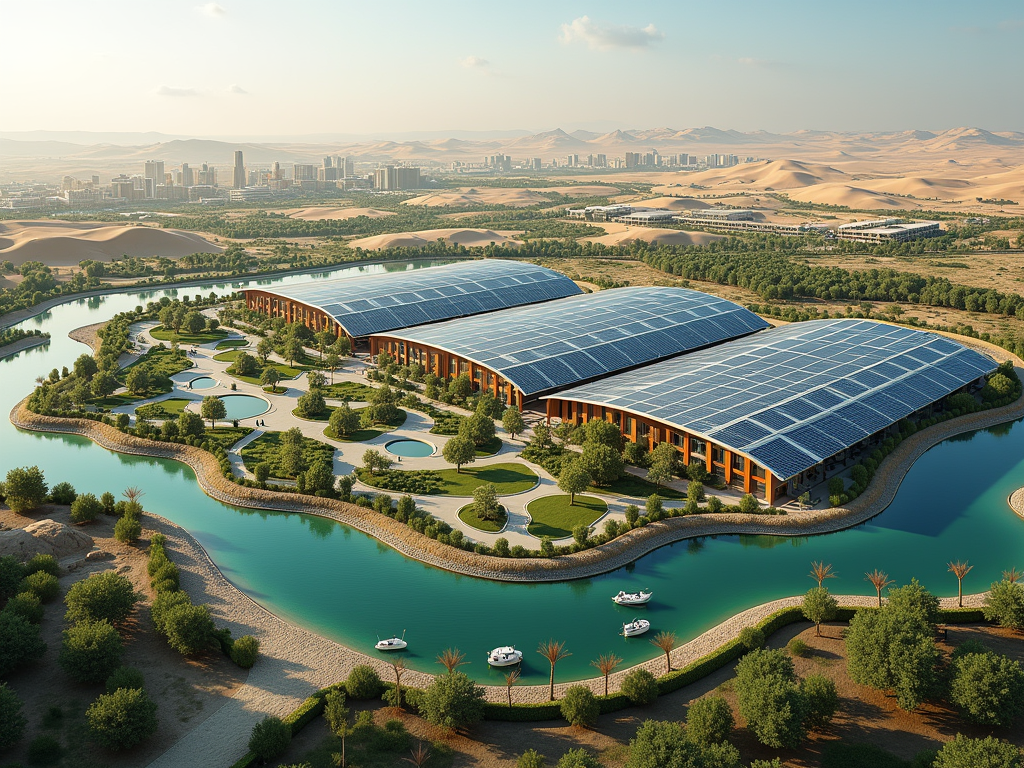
(363, 305)
(523, 353)
(777, 413)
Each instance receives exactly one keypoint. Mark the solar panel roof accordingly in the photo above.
(368, 304)
(814, 408)
(569, 341)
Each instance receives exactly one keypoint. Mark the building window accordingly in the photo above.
(737, 462)
(616, 418)
(698, 447)
(629, 425)
(451, 367)
(757, 471)
(463, 367)
(718, 455)
(759, 490)
(677, 439)
(642, 429)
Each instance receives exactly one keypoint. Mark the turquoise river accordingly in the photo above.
(347, 586)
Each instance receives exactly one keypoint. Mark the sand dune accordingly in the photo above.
(583, 190)
(333, 214)
(621, 234)
(849, 196)
(774, 174)
(672, 203)
(61, 243)
(479, 196)
(471, 238)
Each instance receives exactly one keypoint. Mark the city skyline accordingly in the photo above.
(593, 66)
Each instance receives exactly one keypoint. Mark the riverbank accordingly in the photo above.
(607, 557)
(88, 334)
(22, 344)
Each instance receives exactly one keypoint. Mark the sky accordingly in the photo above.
(265, 68)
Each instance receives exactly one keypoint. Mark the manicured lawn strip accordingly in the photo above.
(226, 435)
(165, 409)
(468, 515)
(353, 391)
(267, 447)
(286, 371)
(637, 487)
(552, 515)
(359, 436)
(232, 343)
(507, 478)
(167, 334)
(489, 448)
(275, 390)
(125, 398)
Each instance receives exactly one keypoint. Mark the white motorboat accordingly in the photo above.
(392, 643)
(633, 598)
(636, 627)
(506, 656)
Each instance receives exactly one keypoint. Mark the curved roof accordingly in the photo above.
(368, 304)
(572, 340)
(793, 396)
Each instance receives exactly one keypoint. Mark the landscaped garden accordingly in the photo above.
(470, 515)
(165, 409)
(351, 391)
(232, 344)
(506, 478)
(160, 333)
(286, 454)
(364, 433)
(555, 518)
(252, 376)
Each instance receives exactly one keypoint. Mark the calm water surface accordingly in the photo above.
(347, 586)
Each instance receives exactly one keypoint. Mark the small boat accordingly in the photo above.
(635, 627)
(392, 643)
(633, 598)
(505, 656)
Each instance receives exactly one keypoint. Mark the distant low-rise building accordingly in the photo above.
(888, 230)
(249, 193)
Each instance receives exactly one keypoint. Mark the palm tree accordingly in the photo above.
(666, 641)
(451, 658)
(133, 494)
(821, 571)
(960, 570)
(399, 667)
(1012, 575)
(420, 755)
(879, 580)
(554, 652)
(511, 678)
(606, 664)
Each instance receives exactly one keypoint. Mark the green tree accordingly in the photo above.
(749, 505)
(381, 408)
(769, 699)
(460, 388)
(213, 408)
(261, 472)
(485, 502)
(604, 464)
(640, 686)
(263, 349)
(660, 744)
(245, 651)
(554, 652)
(987, 688)
(363, 682)
(821, 700)
(311, 405)
(458, 451)
(128, 529)
(269, 377)
(331, 363)
(27, 605)
(479, 428)
(335, 711)
(819, 606)
(579, 706)
(103, 384)
(85, 508)
(320, 477)
(11, 574)
(344, 421)
(990, 752)
(12, 721)
(374, 461)
(1004, 604)
(194, 322)
(270, 738)
(85, 367)
(138, 380)
(601, 432)
(24, 489)
(573, 479)
(191, 424)
(293, 350)
(452, 701)
(63, 493)
(512, 421)
(188, 628)
(91, 650)
(122, 719)
(20, 642)
(106, 595)
(709, 721)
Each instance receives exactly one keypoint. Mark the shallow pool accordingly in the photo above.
(203, 382)
(410, 449)
(244, 406)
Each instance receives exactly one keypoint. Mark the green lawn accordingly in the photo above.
(275, 390)
(469, 516)
(507, 479)
(162, 364)
(637, 487)
(166, 334)
(165, 409)
(232, 343)
(489, 448)
(267, 447)
(365, 433)
(225, 435)
(552, 515)
(286, 371)
(353, 391)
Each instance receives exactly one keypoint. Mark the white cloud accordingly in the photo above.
(236, 88)
(213, 10)
(173, 90)
(475, 62)
(608, 36)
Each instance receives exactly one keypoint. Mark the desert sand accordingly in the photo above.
(482, 196)
(63, 243)
(623, 234)
(671, 200)
(470, 238)
(334, 214)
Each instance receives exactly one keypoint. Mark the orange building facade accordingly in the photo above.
(732, 468)
(448, 365)
(292, 311)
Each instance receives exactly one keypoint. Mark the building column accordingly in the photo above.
(727, 461)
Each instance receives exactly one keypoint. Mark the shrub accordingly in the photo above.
(820, 700)
(188, 628)
(12, 722)
(578, 758)
(19, 642)
(245, 651)
(63, 494)
(768, 698)
(531, 758)
(579, 706)
(166, 578)
(125, 677)
(164, 603)
(122, 719)
(640, 686)
(107, 499)
(798, 647)
(452, 701)
(85, 508)
(990, 752)
(270, 738)
(128, 529)
(105, 595)
(45, 563)
(24, 489)
(749, 505)
(363, 682)
(11, 573)
(709, 721)
(658, 744)
(91, 651)
(751, 638)
(43, 585)
(987, 688)
(26, 605)
(1004, 605)
(44, 750)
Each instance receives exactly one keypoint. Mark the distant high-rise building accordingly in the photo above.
(154, 173)
(407, 178)
(536, 164)
(238, 177)
(275, 174)
(304, 172)
(187, 179)
(633, 159)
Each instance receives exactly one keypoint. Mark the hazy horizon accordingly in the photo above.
(231, 71)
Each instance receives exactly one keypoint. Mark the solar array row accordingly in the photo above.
(792, 397)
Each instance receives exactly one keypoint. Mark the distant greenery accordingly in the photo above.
(11, 335)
